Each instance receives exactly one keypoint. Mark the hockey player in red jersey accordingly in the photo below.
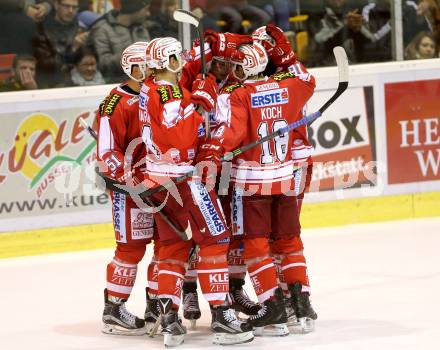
(263, 177)
(170, 127)
(117, 127)
(220, 50)
(280, 57)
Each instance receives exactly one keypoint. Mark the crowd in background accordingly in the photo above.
(59, 43)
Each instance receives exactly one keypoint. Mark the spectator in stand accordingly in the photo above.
(85, 5)
(85, 69)
(344, 25)
(86, 19)
(58, 38)
(422, 46)
(115, 30)
(18, 19)
(162, 23)
(415, 20)
(23, 78)
(235, 11)
(209, 11)
(280, 11)
(377, 20)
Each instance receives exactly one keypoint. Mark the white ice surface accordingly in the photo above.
(375, 286)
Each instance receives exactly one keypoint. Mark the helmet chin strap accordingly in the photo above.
(136, 79)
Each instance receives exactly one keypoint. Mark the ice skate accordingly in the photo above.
(271, 320)
(152, 312)
(290, 313)
(118, 320)
(173, 330)
(239, 298)
(304, 312)
(191, 309)
(228, 330)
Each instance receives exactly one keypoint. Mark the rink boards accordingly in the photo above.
(377, 155)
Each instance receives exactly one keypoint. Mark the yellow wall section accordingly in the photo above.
(364, 210)
(344, 212)
(56, 240)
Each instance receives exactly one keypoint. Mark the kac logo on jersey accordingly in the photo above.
(270, 98)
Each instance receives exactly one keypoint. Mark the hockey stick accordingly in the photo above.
(342, 62)
(185, 235)
(184, 16)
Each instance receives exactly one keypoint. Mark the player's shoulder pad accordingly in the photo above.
(230, 88)
(166, 93)
(111, 101)
(282, 75)
(103, 104)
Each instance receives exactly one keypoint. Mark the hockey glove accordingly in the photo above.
(204, 92)
(225, 45)
(210, 152)
(281, 54)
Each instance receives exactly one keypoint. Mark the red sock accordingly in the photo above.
(212, 270)
(191, 272)
(264, 278)
(294, 269)
(260, 267)
(236, 263)
(293, 263)
(281, 281)
(152, 276)
(120, 278)
(172, 261)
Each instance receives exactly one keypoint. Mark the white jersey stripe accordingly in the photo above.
(105, 137)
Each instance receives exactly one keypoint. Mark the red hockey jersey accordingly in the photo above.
(170, 129)
(255, 109)
(117, 127)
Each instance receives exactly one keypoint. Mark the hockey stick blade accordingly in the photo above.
(186, 17)
(342, 63)
(88, 128)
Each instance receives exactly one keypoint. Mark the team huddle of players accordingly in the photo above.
(152, 129)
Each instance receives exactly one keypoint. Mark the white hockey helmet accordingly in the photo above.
(135, 55)
(255, 60)
(160, 50)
